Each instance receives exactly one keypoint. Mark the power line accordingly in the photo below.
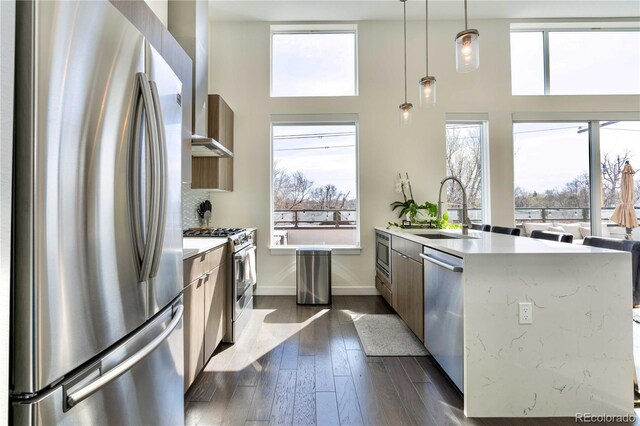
(314, 147)
(315, 135)
(544, 130)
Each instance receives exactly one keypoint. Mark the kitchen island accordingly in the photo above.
(574, 357)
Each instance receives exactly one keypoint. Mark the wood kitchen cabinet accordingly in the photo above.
(215, 290)
(385, 289)
(407, 278)
(216, 172)
(193, 331)
(204, 309)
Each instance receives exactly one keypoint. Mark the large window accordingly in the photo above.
(315, 182)
(563, 169)
(551, 172)
(314, 60)
(467, 159)
(575, 62)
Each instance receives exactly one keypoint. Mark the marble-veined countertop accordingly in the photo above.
(479, 242)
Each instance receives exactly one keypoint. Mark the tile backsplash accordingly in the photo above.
(191, 199)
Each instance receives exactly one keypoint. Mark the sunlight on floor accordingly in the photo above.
(266, 335)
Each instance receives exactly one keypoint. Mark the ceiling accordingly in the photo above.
(361, 10)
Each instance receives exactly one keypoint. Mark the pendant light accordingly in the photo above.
(405, 108)
(467, 47)
(427, 84)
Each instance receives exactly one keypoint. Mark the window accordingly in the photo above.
(468, 160)
(562, 169)
(313, 60)
(618, 144)
(527, 63)
(315, 181)
(575, 62)
(551, 172)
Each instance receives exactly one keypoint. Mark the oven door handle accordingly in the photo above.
(242, 254)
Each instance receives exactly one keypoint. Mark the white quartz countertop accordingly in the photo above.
(478, 242)
(196, 245)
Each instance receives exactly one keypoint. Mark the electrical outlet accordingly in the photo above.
(526, 312)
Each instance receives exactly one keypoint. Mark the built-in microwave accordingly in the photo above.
(383, 254)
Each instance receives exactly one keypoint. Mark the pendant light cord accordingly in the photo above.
(404, 8)
(466, 27)
(427, 32)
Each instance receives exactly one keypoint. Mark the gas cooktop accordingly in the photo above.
(217, 233)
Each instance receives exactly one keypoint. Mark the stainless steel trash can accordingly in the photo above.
(313, 276)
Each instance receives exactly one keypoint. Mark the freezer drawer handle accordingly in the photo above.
(441, 263)
(83, 393)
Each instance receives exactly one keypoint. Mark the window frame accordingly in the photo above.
(485, 162)
(595, 172)
(545, 30)
(315, 29)
(315, 120)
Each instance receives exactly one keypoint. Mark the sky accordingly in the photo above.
(606, 62)
(327, 159)
(298, 69)
(548, 155)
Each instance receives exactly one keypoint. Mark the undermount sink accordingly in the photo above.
(438, 236)
(445, 237)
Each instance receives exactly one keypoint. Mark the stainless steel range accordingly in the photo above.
(242, 273)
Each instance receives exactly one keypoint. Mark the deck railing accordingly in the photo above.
(542, 214)
(314, 219)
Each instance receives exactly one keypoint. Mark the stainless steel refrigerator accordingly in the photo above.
(97, 238)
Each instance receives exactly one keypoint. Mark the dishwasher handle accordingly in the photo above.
(438, 262)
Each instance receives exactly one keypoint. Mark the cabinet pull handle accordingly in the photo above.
(205, 275)
(441, 263)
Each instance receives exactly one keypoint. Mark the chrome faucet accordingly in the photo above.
(466, 222)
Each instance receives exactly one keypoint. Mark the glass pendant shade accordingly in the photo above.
(467, 51)
(427, 89)
(405, 113)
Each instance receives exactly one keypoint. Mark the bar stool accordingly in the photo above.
(481, 227)
(505, 230)
(552, 236)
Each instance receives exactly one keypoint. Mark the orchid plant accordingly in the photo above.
(409, 206)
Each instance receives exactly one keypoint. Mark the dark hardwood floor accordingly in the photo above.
(304, 365)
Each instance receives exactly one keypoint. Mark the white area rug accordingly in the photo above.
(387, 335)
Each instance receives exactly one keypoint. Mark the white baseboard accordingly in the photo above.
(275, 291)
(336, 291)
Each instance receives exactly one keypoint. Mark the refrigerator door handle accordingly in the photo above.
(145, 245)
(161, 209)
(135, 193)
(83, 393)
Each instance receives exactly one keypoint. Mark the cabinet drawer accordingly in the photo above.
(195, 267)
(384, 291)
(384, 280)
(406, 247)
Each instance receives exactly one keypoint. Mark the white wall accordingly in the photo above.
(239, 71)
(161, 10)
(7, 47)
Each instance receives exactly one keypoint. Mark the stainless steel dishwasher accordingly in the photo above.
(443, 315)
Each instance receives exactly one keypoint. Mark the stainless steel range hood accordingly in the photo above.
(202, 146)
(189, 23)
